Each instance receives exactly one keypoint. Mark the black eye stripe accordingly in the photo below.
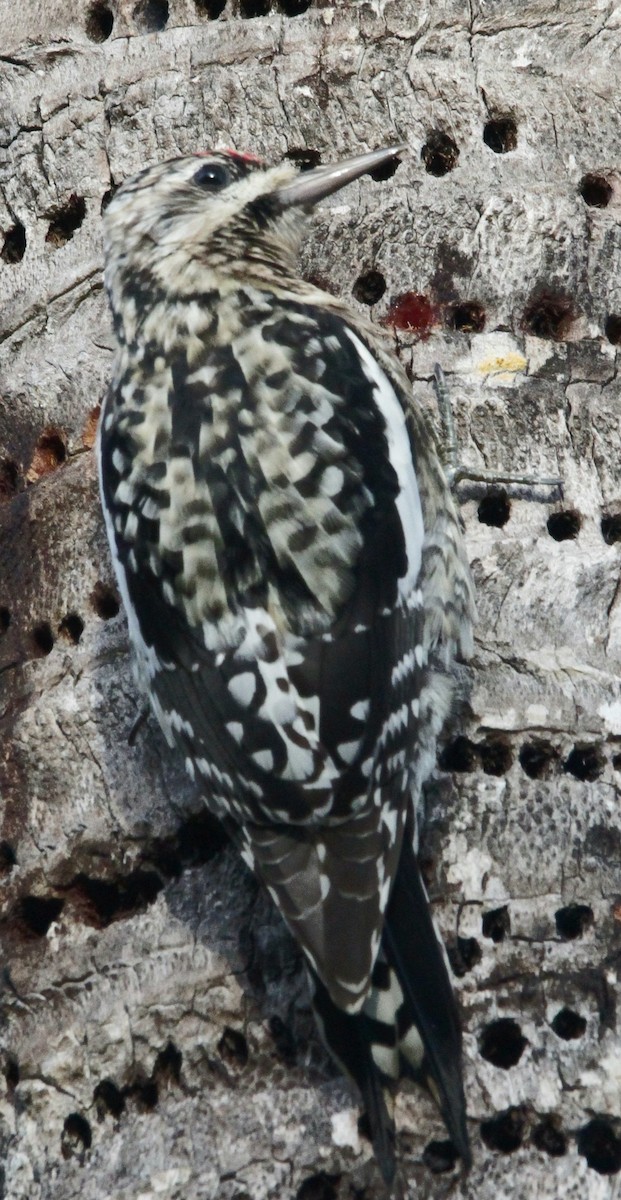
(211, 175)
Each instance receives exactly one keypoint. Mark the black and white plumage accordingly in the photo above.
(292, 568)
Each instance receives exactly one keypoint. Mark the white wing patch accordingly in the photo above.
(400, 455)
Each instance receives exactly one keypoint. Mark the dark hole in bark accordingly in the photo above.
(611, 529)
(369, 287)
(99, 22)
(43, 638)
(548, 1136)
(5, 619)
(72, 627)
(167, 1068)
(304, 158)
(144, 1094)
(14, 244)
(101, 901)
(496, 924)
(601, 1146)
(502, 1043)
(210, 8)
(573, 920)
(612, 329)
(459, 755)
(537, 759)
(549, 315)
(439, 154)
(151, 16)
(66, 220)
(50, 453)
(386, 171)
(616, 762)
(318, 1187)
(496, 756)
(505, 1132)
(11, 1072)
(568, 1025)
(439, 1157)
(105, 601)
(293, 8)
(468, 317)
(500, 134)
(7, 857)
(233, 1048)
(76, 1136)
(9, 478)
(253, 8)
(585, 763)
(595, 190)
(37, 913)
(463, 955)
(564, 525)
(108, 1099)
(495, 508)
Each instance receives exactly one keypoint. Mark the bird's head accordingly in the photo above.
(221, 214)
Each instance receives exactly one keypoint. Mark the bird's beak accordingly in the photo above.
(311, 186)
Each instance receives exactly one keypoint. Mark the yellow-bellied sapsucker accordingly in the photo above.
(291, 563)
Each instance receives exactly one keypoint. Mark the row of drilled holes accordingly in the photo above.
(538, 759)
(571, 922)
(151, 16)
(63, 223)
(104, 602)
(495, 509)
(548, 314)
(598, 1141)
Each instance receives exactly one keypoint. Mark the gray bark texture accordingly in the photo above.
(156, 1041)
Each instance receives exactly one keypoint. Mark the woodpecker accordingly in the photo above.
(296, 587)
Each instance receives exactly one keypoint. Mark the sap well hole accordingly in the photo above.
(586, 763)
(600, 1145)
(500, 134)
(467, 317)
(369, 287)
(495, 508)
(99, 22)
(595, 190)
(43, 638)
(502, 1043)
(14, 244)
(496, 924)
(538, 759)
(563, 526)
(505, 1132)
(439, 154)
(611, 529)
(151, 16)
(65, 220)
(573, 920)
(568, 1025)
(71, 627)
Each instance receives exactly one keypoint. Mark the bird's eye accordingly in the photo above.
(211, 175)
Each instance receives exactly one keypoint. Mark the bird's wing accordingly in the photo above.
(299, 706)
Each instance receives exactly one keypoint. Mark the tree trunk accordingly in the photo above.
(155, 1032)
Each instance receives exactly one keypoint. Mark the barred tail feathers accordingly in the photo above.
(408, 1025)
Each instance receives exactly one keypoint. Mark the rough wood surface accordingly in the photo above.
(155, 1035)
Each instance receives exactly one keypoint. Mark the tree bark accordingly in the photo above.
(155, 1033)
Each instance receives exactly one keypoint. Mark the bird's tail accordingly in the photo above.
(408, 1025)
